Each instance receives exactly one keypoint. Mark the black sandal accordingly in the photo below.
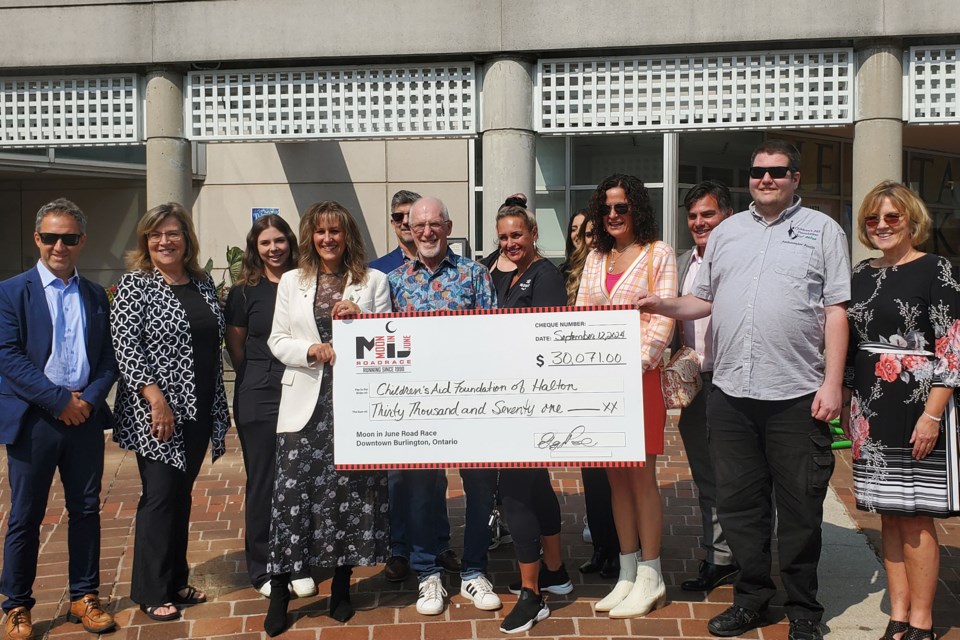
(918, 634)
(190, 598)
(150, 612)
(895, 626)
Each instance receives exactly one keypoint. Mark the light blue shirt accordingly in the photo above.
(68, 365)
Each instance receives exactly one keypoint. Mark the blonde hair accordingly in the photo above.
(354, 255)
(139, 258)
(905, 201)
(576, 261)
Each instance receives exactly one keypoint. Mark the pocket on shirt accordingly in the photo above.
(793, 260)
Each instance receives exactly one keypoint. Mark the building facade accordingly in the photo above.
(234, 105)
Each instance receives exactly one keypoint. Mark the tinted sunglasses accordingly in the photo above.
(621, 209)
(398, 217)
(891, 220)
(69, 239)
(776, 173)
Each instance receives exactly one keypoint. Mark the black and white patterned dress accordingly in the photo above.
(902, 313)
(320, 516)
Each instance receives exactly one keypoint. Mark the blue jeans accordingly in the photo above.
(400, 510)
(480, 487)
(423, 526)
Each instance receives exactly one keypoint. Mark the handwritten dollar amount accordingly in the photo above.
(579, 358)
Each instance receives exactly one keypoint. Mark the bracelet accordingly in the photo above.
(932, 418)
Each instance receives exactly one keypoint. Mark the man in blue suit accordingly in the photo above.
(56, 368)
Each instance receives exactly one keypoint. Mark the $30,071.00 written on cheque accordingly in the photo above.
(489, 388)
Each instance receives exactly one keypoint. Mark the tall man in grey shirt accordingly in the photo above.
(776, 278)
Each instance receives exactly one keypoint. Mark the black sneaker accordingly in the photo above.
(529, 610)
(805, 630)
(735, 621)
(555, 582)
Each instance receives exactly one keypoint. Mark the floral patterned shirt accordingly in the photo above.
(458, 284)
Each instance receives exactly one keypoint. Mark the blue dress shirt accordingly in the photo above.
(67, 365)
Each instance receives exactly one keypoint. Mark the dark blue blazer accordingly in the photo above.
(26, 335)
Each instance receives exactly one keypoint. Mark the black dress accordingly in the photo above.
(907, 318)
(256, 404)
(323, 517)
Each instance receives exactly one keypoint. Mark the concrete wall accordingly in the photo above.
(361, 175)
(103, 33)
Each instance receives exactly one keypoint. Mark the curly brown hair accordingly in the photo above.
(354, 255)
(644, 225)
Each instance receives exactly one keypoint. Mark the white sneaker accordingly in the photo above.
(304, 587)
(430, 602)
(479, 591)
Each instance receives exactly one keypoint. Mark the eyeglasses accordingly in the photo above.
(398, 217)
(437, 226)
(890, 219)
(776, 173)
(172, 236)
(69, 239)
(621, 209)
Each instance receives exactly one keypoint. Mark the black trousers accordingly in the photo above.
(256, 405)
(163, 521)
(531, 509)
(44, 446)
(758, 446)
(596, 497)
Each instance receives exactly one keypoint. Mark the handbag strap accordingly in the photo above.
(650, 284)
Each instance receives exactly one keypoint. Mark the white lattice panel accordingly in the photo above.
(354, 102)
(931, 95)
(752, 90)
(69, 111)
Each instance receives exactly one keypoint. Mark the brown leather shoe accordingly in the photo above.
(87, 611)
(17, 624)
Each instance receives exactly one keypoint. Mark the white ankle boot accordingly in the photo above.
(648, 592)
(628, 576)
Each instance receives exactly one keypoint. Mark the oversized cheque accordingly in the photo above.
(489, 389)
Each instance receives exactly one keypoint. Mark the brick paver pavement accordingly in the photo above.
(387, 611)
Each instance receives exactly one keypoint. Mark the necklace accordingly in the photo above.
(907, 257)
(616, 254)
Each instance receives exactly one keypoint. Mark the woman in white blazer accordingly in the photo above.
(321, 517)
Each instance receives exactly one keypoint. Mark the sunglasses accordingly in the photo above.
(890, 219)
(776, 173)
(69, 239)
(621, 209)
(398, 217)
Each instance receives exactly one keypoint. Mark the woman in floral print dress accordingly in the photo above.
(903, 366)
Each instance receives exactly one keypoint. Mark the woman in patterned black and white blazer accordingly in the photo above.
(167, 329)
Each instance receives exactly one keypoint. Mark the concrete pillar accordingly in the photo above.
(878, 123)
(508, 142)
(169, 167)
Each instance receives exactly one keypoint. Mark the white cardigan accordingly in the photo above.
(295, 330)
